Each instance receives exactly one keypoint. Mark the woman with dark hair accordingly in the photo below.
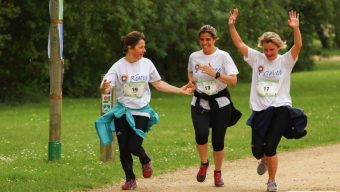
(132, 117)
(212, 70)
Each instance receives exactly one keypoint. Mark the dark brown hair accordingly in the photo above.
(131, 39)
(208, 29)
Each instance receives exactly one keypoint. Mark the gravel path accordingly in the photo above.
(311, 169)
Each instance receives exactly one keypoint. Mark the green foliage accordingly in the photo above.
(93, 31)
(23, 64)
(336, 22)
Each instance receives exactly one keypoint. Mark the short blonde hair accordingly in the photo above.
(272, 37)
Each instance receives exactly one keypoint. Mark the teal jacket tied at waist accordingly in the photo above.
(105, 124)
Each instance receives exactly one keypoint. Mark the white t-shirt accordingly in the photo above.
(270, 85)
(131, 81)
(221, 62)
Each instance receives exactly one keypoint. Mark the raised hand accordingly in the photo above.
(293, 21)
(232, 16)
(105, 88)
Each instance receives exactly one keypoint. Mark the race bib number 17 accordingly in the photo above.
(267, 88)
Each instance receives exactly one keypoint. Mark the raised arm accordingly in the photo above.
(293, 22)
(241, 46)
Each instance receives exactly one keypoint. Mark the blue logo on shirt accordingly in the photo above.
(272, 73)
(137, 77)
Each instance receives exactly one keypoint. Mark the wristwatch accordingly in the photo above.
(218, 74)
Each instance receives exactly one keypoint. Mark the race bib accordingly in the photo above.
(134, 89)
(267, 88)
(208, 87)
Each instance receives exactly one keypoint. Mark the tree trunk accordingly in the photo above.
(322, 37)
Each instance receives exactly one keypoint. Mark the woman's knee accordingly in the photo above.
(135, 149)
(218, 146)
(257, 153)
(270, 152)
(201, 140)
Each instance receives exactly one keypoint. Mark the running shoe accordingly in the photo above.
(261, 168)
(271, 186)
(129, 185)
(202, 173)
(218, 179)
(147, 170)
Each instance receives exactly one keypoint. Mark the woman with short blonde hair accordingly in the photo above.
(273, 37)
(270, 93)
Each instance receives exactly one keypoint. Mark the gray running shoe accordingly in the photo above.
(261, 168)
(272, 186)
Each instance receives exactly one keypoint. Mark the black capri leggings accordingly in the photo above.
(131, 143)
(267, 145)
(217, 120)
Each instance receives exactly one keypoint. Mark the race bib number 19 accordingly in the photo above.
(134, 89)
(267, 88)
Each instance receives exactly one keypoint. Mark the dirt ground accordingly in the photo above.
(311, 169)
(332, 58)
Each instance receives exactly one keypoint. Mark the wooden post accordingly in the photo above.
(107, 152)
(55, 50)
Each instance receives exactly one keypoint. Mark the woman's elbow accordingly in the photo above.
(298, 46)
(232, 82)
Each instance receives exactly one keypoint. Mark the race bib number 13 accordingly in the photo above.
(134, 89)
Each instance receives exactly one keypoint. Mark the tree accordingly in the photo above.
(93, 31)
(23, 65)
(93, 40)
(336, 23)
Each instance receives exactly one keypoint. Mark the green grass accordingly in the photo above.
(25, 130)
(329, 52)
(327, 66)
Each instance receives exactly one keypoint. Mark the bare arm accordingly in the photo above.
(230, 80)
(241, 46)
(190, 76)
(293, 22)
(167, 88)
